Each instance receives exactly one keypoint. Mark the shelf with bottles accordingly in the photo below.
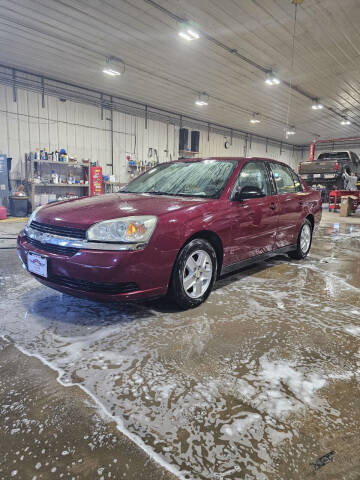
(57, 157)
(64, 164)
(55, 179)
(83, 185)
(69, 172)
(135, 166)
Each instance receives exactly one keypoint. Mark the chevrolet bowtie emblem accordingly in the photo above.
(44, 238)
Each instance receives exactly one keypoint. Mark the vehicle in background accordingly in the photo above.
(173, 230)
(328, 169)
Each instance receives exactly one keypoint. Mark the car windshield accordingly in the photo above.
(206, 178)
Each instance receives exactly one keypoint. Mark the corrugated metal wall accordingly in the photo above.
(25, 125)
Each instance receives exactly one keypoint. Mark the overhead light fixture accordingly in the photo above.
(316, 105)
(345, 121)
(271, 78)
(113, 67)
(290, 131)
(255, 118)
(188, 32)
(202, 99)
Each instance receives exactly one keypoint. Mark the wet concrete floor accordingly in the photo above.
(260, 382)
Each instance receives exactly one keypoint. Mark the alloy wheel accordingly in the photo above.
(197, 273)
(305, 238)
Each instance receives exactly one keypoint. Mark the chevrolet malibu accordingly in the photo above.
(172, 231)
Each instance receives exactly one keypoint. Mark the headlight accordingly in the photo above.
(33, 215)
(127, 229)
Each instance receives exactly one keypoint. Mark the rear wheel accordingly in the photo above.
(194, 274)
(303, 242)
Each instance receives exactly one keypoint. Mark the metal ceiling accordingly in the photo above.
(240, 40)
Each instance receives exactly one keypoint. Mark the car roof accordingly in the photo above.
(233, 159)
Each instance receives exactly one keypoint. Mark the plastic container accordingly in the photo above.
(3, 214)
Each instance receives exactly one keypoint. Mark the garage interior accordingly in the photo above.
(262, 380)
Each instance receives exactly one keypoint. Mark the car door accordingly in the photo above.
(290, 201)
(254, 220)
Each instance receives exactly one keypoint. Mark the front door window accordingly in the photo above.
(254, 174)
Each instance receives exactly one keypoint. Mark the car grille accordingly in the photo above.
(49, 247)
(61, 231)
(96, 287)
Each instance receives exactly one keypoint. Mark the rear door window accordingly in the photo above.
(283, 178)
(298, 184)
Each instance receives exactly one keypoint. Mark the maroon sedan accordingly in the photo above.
(173, 230)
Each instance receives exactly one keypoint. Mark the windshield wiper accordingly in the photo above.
(178, 194)
(150, 192)
(157, 193)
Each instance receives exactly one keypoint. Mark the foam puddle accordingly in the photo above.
(217, 392)
(102, 409)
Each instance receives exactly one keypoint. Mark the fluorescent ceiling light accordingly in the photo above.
(111, 71)
(202, 99)
(345, 121)
(194, 35)
(317, 105)
(113, 67)
(271, 79)
(188, 33)
(290, 131)
(255, 118)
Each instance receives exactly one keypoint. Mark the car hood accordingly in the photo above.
(81, 213)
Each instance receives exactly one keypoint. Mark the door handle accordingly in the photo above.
(272, 206)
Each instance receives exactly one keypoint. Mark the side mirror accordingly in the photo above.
(248, 192)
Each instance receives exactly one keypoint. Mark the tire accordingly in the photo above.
(303, 245)
(191, 283)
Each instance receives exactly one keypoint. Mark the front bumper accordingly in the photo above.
(105, 275)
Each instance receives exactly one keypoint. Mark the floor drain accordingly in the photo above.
(322, 461)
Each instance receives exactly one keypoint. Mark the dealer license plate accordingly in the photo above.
(317, 175)
(37, 264)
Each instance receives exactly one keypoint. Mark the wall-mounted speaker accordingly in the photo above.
(195, 140)
(183, 138)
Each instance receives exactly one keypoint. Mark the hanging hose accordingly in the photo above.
(295, 2)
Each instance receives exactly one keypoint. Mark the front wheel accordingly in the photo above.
(194, 274)
(303, 242)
